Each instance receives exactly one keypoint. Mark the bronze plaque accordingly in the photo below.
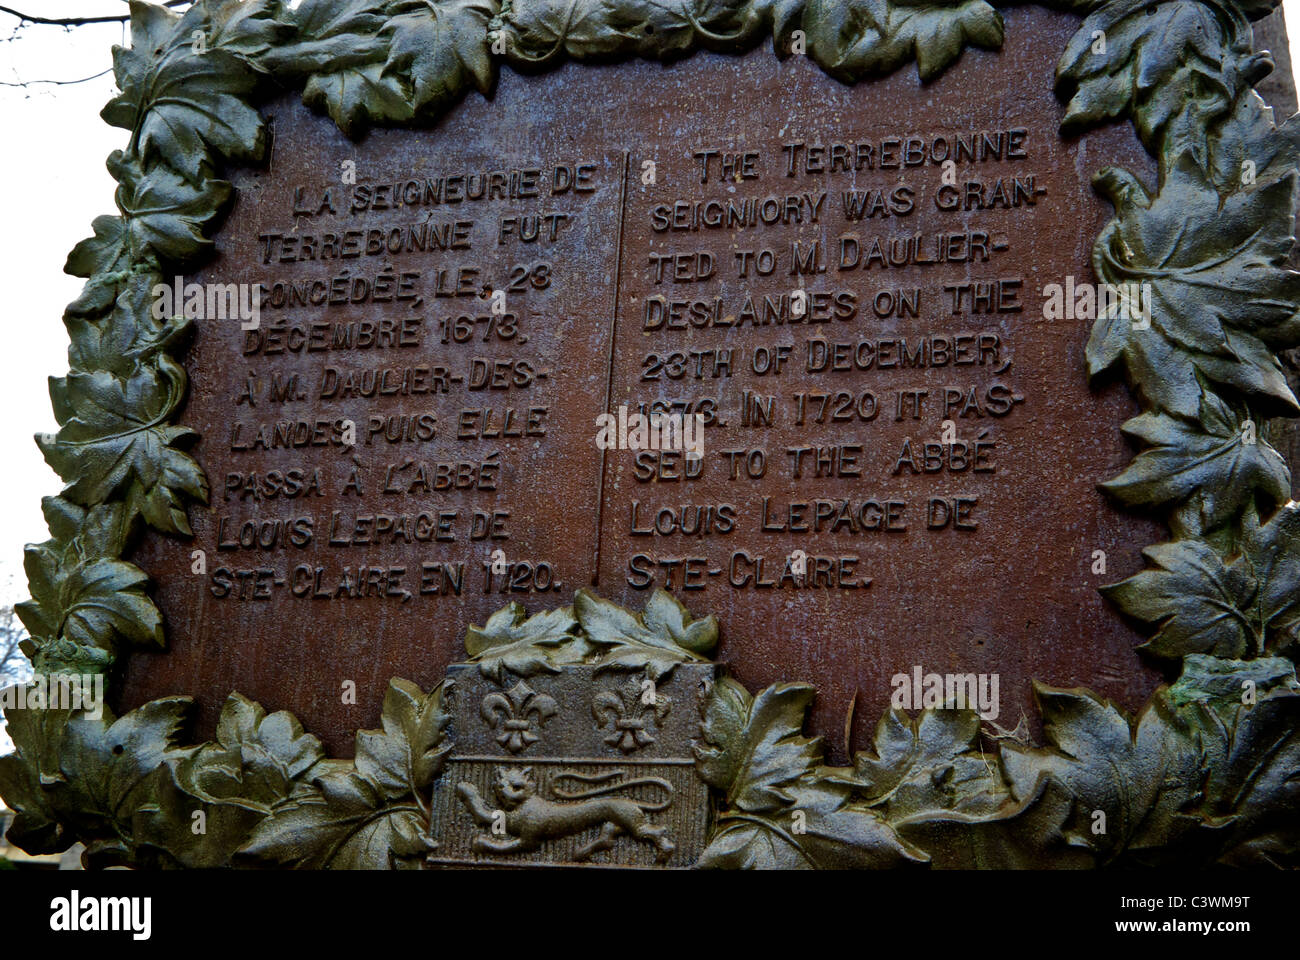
(675, 454)
(738, 238)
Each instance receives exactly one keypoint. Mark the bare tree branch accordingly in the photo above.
(76, 21)
(61, 83)
(27, 19)
(12, 661)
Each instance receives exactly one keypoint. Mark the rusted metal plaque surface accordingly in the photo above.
(899, 453)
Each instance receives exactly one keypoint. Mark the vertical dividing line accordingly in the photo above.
(613, 339)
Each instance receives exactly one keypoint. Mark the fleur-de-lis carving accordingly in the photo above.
(630, 713)
(516, 714)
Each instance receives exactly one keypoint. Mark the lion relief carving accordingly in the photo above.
(523, 820)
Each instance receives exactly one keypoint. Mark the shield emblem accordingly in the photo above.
(579, 767)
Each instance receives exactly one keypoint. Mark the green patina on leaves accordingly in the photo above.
(375, 813)
(77, 776)
(1207, 772)
(1215, 466)
(854, 40)
(593, 632)
(86, 601)
(780, 809)
(1241, 607)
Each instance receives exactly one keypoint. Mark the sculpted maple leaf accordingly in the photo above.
(1251, 756)
(92, 776)
(337, 46)
(1221, 296)
(115, 441)
(1157, 64)
(543, 31)
(1219, 462)
(1240, 607)
(834, 834)
(375, 816)
(257, 761)
(1139, 774)
(926, 766)
(333, 35)
(103, 260)
(1193, 596)
(753, 748)
(182, 92)
(856, 39)
(167, 218)
(373, 62)
(656, 641)
(781, 809)
(81, 592)
(511, 640)
(440, 48)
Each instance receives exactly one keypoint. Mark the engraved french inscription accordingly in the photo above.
(393, 447)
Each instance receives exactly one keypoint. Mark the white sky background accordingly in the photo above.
(52, 184)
